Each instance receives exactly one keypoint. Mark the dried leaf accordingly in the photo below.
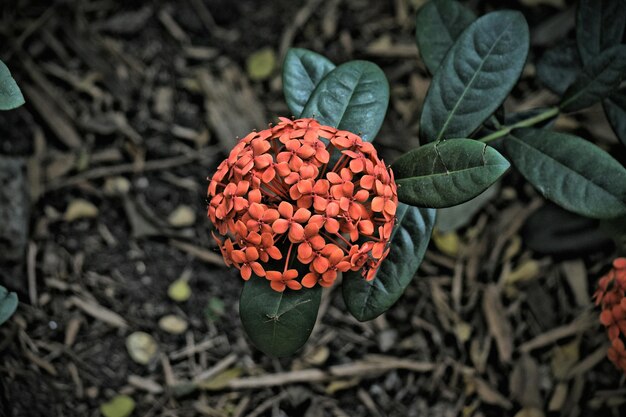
(80, 209)
(221, 380)
(261, 64)
(448, 243)
(558, 397)
(119, 406)
(530, 412)
(564, 357)
(524, 384)
(179, 290)
(575, 273)
(525, 271)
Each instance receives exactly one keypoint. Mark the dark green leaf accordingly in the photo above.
(438, 24)
(447, 173)
(278, 323)
(615, 109)
(369, 299)
(476, 75)
(302, 72)
(599, 26)
(570, 171)
(598, 79)
(354, 97)
(10, 94)
(8, 304)
(559, 67)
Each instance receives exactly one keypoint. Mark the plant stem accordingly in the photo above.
(551, 112)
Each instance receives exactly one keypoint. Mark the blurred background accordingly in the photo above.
(125, 305)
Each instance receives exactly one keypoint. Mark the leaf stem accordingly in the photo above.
(551, 112)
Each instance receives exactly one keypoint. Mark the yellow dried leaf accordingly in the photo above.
(525, 271)
(564, 357)
(119, 406)
(179, 290)
(448, 243)
(261, 64)
(463, 331)
(221, 380)
(80, 209)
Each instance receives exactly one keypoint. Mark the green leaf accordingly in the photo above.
(598, 79)
(558, 67)
(10, 94)
(409, 240)
(8, 304)
(476, 75)
(599, 26)
(354, 97)
(615, 109)
(302, 72)
(447, 173)
(438, 24)
(570, 171)
(278, 323)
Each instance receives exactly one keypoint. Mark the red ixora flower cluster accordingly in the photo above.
(610, 295)
(319, 193)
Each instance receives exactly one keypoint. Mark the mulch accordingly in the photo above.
(131, 105)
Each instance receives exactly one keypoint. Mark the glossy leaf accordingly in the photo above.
(599, 25)
(570, 171)
(437, 25)
(558, 67)
(10, 94)
(409, 240)
(8, 304)
(302, 72)
(476, 76)
(278, 323)
(598, 79)
(615, 109)
(354, 97)
(447, 173)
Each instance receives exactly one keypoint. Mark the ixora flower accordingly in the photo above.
(610, 295)
(312, 199)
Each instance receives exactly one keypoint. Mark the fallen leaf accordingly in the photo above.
(525, 271)
(558, 397)
(173, 324)
(261, 64)
(182, 216)
(463, 331)
(116, 186)
(119, 406)
(530, 412)
(141, 347)
(498, 323)
(341, 385)
(221, 380)
(564, 357)
(214, 309)
(80, 209)
(448, 243)
(179, 290)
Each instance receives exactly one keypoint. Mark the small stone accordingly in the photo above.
(141, 347)
(182, 216)
(173, 324)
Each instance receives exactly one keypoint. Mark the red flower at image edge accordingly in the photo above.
(610, 296)
(319, 193)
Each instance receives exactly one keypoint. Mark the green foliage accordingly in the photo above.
(599, 25)
(447, 173)
(369, 299)
(570, 171)
(10, 94)
(278, 323)
(438, 24)
(302, 72)
(476, 75)
(615, 109)
(354, 97)
(8, 304)
(598, 79)
(559, 67)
